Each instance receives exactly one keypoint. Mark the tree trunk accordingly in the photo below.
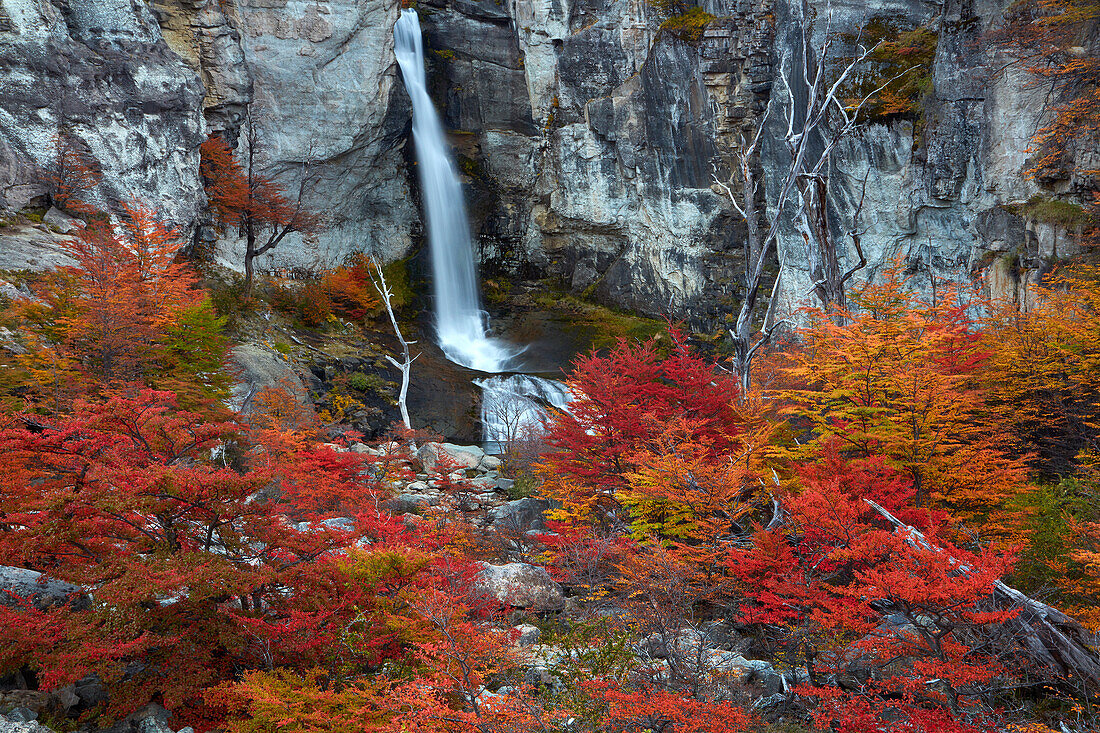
(249, 257)
(1050, 637)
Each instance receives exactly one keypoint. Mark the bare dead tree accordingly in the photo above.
(827, 121)
(825, 118)
(378, 278)
(758, 247)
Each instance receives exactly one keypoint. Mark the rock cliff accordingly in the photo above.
(589, 135)
(100, 75)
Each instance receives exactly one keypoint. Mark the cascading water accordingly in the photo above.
(511, 405)
(514, 406)
(459, 319)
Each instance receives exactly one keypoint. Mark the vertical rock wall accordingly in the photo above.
(101, 74)
(588, 135)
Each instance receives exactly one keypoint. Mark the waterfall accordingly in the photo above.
(460, 322)
(513, 408)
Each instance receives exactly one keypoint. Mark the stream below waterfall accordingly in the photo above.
(512, 404)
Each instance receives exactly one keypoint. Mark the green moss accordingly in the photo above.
(397, 278)
(469, 166)
(35, 215)
(444, 53)
(598, 324)
(1065, 214)
(688, 25)
(368, 383)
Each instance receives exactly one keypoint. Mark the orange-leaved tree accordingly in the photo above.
(1042, 367)
(244, 197)
(901, 379)
(126, 309)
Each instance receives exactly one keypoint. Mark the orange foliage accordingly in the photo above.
(902, 380)
(1041, 373)
(103, 319)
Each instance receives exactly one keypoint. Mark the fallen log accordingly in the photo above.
(1049, 636)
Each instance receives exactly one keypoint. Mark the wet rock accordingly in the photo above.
(521, 585)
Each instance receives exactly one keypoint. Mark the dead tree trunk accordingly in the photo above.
(405, 365)
(824, 118)
(1049, 636)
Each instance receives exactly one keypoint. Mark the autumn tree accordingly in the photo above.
(244, 197)
(197, 570)
(624, 400)
(1040, 375)
(880, 625)
(126, 310)
(902, 380)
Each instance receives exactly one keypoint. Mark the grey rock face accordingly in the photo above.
(520, 515)
(327, 93)
(613, 193)
(256, 369)
(521, 585)
(19, 586)
(99, 72)
(208, 40)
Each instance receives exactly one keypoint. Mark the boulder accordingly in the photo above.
(8, 725)
(408, 503)
(521, 585)
(19, 585)
(527, 635)
(732, 667)
(257, 368)
(520, 515)
(489, 463)
(464, 456)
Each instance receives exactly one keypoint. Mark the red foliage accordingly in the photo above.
(624, 400)
(825, 579)
(196, 569)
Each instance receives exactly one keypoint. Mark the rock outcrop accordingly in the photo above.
(613, 195)
(99, 75)
(521, 585)
(20, 587)
(589, 135)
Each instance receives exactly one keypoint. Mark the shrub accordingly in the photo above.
(688, 25)
(905, 56)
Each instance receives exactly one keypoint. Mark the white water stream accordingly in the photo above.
(459, 320)
(511, 405)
